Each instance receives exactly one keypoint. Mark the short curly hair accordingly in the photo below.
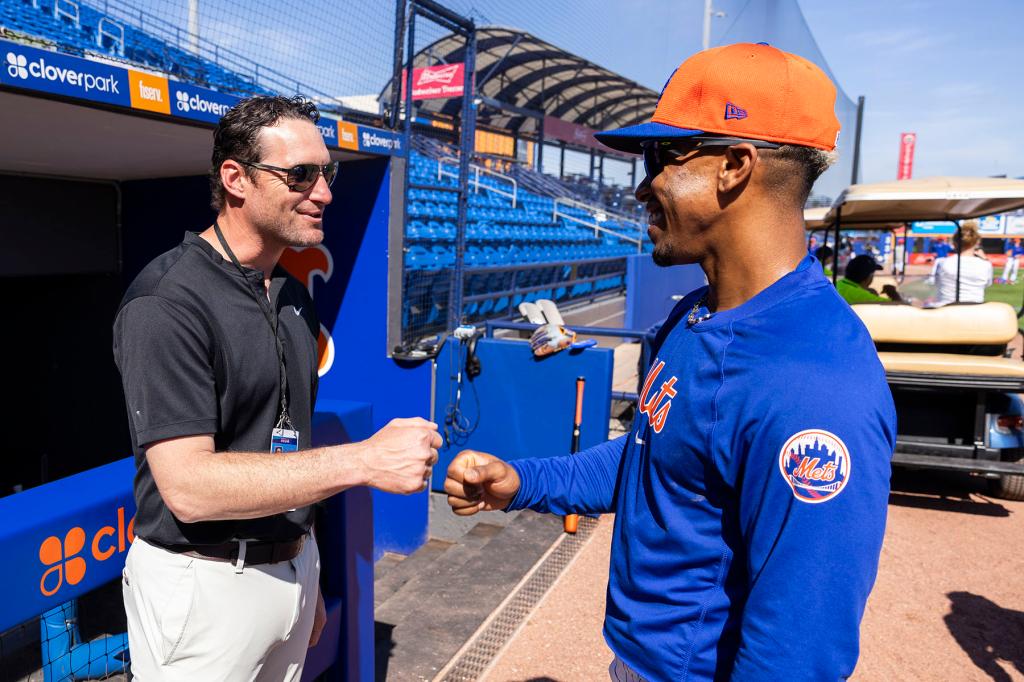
(797, 167)
(237, 133)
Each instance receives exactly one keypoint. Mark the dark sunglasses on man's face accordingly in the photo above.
(300, 177)
(657, 153)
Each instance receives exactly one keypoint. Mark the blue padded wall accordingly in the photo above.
(525, 405)
(353, 305)
(650, 288)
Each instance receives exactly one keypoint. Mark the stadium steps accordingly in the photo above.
(444, 593)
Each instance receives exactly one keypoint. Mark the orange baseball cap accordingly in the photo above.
(744, 90)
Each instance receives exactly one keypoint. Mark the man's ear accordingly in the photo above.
(234, 178)
(737, 166)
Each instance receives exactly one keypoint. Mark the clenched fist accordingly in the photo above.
(479, 482)
(399, 457)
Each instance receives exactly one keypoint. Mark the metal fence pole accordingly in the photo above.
(468, 137)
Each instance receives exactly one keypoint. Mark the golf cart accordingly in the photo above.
(955, 388)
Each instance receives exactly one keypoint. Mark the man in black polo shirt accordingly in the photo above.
(217, 349)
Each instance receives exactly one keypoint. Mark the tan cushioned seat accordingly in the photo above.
(951, 364)
(981, 324)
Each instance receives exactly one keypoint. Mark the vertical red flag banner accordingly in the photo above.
(906, 164)
(434, 82)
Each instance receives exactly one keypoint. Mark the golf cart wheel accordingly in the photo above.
(1009, 487)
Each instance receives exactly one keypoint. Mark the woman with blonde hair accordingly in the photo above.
(968, 263)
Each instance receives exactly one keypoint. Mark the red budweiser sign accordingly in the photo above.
(906, 165)
(434, 82)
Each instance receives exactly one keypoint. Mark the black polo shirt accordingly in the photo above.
(197, 356)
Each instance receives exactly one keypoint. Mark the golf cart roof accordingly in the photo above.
(938, 198)
(819, 219)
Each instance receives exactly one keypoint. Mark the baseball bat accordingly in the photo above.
(572, 521)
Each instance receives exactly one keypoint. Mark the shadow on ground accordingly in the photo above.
(988, 633)
(944, 491)
(383, 645)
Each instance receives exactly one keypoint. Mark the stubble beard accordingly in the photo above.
(663, 255)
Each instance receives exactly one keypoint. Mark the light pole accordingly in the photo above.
(709, 11)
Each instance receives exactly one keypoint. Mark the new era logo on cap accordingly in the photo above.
(733, 111)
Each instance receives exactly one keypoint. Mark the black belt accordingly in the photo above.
(256, 552)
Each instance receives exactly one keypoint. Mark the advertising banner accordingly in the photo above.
(328, 128)
(199, 104)
(573, 133)
(435, 82)
(377, 141)
(348, 136)
(149, 92)
(27, 67)
(59, 74)
(991, 225)
(906, 160)
(1015, 225)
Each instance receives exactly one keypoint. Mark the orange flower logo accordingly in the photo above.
(62, 560)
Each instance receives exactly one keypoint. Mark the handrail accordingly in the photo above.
(102, 31)
(60, 9)
(594, 209)
(477, 170)
(597, 227)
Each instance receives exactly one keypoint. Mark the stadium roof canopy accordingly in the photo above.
(517, 68)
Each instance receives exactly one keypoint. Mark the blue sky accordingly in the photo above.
(949, 70)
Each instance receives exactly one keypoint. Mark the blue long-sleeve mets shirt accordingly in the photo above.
(750, 496)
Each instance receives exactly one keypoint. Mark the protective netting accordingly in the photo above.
(75, 640)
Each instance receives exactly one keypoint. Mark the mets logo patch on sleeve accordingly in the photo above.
(815, 464)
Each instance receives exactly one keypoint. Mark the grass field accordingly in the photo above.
(1008, 293)
(915, 285)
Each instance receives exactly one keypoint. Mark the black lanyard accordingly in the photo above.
(264, 304)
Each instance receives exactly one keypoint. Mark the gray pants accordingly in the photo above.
(199, 619)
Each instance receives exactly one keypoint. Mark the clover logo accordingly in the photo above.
(61, 559)
(17, 65)
(182, 100)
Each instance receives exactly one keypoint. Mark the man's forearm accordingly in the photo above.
(581, 483)
(222, 486)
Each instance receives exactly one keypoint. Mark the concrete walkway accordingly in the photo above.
(948, 603)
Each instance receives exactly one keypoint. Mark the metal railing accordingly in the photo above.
(477, 170)
(594, 225)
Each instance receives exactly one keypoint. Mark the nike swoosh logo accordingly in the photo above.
(297, 311)
(638, 440)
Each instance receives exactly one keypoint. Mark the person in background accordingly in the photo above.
(1012, 249)
(826, 257)
(812, 244)
(974, 269)
(855, 286)
(942, 248)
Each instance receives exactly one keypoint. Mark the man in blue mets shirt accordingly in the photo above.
(749, 499)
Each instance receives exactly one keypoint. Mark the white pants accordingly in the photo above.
(198, 619)
(1010, 271)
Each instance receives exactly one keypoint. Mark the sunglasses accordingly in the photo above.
(657, 153)
(301, 177)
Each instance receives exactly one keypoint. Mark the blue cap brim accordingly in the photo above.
(628, 139)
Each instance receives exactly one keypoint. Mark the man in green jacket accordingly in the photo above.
(855, 286)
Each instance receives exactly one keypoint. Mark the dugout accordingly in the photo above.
(91, 191)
